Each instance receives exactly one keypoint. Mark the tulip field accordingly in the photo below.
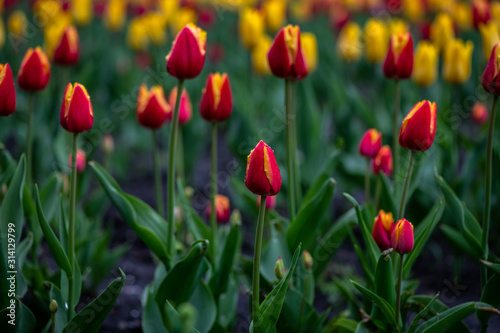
(306, 166)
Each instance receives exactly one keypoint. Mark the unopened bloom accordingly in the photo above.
(270, 202)
(426, 64)
(67, 50)
(279, 269)
(34, 72)
(349, 42)
(217, 100)
(81, 161)
(82, 11)
(419, 127)
(370, 143)
(251, 27)
(76, 110)
(152, 108)
(376, 40)
(185, 106)
(108, 144)
(286, 57)
(402, 237)
(480, 12)
(457, 61)
(274, 13)
(307, 260)
(259, 55)
(222, 209)
(187, 56)
(17, 24)
(115, 15)
(491, 79)
(489, 36)
(398, 63)
(442, 31)
(383, 161)
(262, 175)
(382, 230)
(479, 113)
(7, 91)
(310, 47)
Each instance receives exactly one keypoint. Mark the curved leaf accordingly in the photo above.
(421, 315)
(24, 321)
(384, 288)
(489, 295)
(203, 300)
(384, 306)
(220, 280)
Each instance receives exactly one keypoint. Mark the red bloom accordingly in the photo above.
(7, 91)
(398, 63)
(402, 237)
(491, 79)
(382, 230)
(217, 100)
(81, 160)
(419, 127)
(383, 161)
(185, 107)
(34, 73)
(286, 57)
(67, 51)
(370, 143)
(152, 108)
(262, 175)
(187, 56)
(222, 209)
(479, 113)
(481, 12)
(76, 110)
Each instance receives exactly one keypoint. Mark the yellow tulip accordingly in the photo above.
(115, 15)
(495, 12)
(275, 14)
(457, 61)
(182, 17)
(156, 28)
(53, 32)
(47, 11)
(301, 10)
(462, 14)
(413, 10)
(309, 46)
(259, 55)
(2, 34)
(376, 40)
(425, 64)
(489, 36)
(251, 27)
(349, 42)
(168, 8)
(82, 11)
(17, 24)
(441, 30)
(397, 26)
(137, 35)
(441, 5)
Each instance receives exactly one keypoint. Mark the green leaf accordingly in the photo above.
(220, 280)
(387, 202)
(384, 288)
(421, 315)
(272, 251)
(91, 317)
(203, 300)
(7, 165)
(460, 242)
(195, 223)
(494, 267)
(384, 306)
(295, 315)
(303, 229)
(343, 325)
(144, 220)
(489, 295)
(49, 196)
(151, 321)
(61, 314)
(24, 320)
(21, 253)
(227, 304)
(270, 308)
(320, 180)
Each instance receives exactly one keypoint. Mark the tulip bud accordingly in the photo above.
(489, 36)
(442, 30)
(480, 12)
(382, 229)
(349, 42)
(426, 64)
(222, 209)
(419, 127)
(67, 51)
(185, 107)
(370, 143)
(398, 63)
(376, 40)
(7, 91)
(216, 100)
(235, 218)
(307, 260)
(187, 56)
(259, 56)
(53, 306)
(310, 47)
(479, 113)
(152, 108)
(81, 161)
(270, 202)
(251, 27)
(262, 175)
(108, 144)
(457, 61)
(34, 72)
(279, 269)
(383, 161)
(286, 57)
(76, 110)
(402, 237)
(491, 79)
(82, 11)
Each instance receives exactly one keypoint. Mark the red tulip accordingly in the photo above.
(262, 175)
(286, 57)
(481, 12)
(270, 202)
(402, 237)
(76, 110)
(370, 143)
(398, 63)
(222, 209)
(67, 51)
(185, 107)
(81, 161)
(216, 101)
(7, 91)
(383, 161)
(34, 73)
(491, 79)
(187, 56)
(382, 230)
(479, 113)
(152, 108)
(419, 127)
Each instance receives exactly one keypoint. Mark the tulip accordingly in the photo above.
(398, 63)
(185, 107)
(279, 269)
(7, 91)
(2, 33)
(108, 144)
(274, 13)
(183, 16)
(376, 39)
(156, 26)
(370, 143)
(81, 161)
(152, 108)
(349, 42)
(216, 101)
(419, 127)
(76, 114)
(67, 51)
(402, 237)
(251, 27)
(479, 113)
(491, 79)
(307, 260)
(310, 47)
(442, 31)
(34, 72)
(82, 11)
(495, 12)
(259, 56)
(462, 15)
(457, 61)
(382, 230)
(383, 161)
(17, 24)
(168, 8)
(115, 15)
(187, 56)
(262, 174)
(397, 26)
(480, 12)
(270, 202)
(413, 9)
(426, 64)
(222, 209)
(286, 57)
(489, 36)
(138, 35)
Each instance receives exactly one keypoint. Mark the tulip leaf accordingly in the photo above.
(387, 202)
(494, 267)
(151, 321)
(272, 251)
(144, 220)
(460, 242)
(489, 295)
(384, 288)
(21, 252)
(49, 196)
(421, 315)
(25, 321)
(386, 309)
(227, 304)
(220, 280)
(7, 165)
(61, 314)
(270, 309)
(343, 325)
(196, 225)
(203, 300)
(92, 316)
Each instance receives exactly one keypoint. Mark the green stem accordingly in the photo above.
(53, 322)
(71, 233)
(402, 205)
(367, 181)
(398, 290)
(289, 119)
(303, 302)
(158, 183)
(395, 143)
(378, 189)
(29, 141)
(180, 155)
(171, 171)
(487, 188)
(296, 170)
(256, 260)
(213, 193)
